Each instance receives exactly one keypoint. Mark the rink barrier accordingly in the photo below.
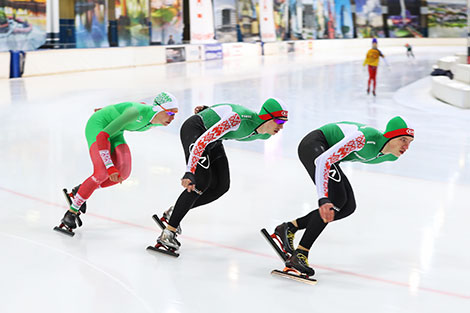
(57, 61)
(4, 65)
(241, 49)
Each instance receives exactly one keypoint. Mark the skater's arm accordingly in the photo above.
(129, 115)
(102, 140)
(227, 123)
(354, 141)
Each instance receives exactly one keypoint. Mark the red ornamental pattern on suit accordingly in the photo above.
(352, 145)
(210, 136)
(106, 157)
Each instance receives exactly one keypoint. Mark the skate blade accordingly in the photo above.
(67, 197)
(158, 221)
(300, 278)
(163, 250)
(64, 231)
(276, 248)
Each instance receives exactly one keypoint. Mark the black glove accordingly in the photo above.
(191, 177)
(203, 108)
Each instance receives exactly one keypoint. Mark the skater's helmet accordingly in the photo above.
(165, 101)
(273, 109)
(374, 40)
(397, 127)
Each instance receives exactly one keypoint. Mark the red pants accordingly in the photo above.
(372, 76)
(121, 157)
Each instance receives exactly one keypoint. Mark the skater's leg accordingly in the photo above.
(219, 182)
(100, 174)
(342, 197)
(186, 200)
(373, 75)
(122, 160)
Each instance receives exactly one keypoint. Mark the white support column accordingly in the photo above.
(52, 23)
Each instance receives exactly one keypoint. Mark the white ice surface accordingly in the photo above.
(405, 249)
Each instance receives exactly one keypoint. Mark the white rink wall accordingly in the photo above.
(45, 62)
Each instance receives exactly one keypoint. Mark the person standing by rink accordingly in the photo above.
(321, 152)
(207, 172)
(109, 151)
(372, 62)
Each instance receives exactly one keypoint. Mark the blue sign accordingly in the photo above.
(213, 51)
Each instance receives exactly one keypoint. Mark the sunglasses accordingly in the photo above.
(170, 113)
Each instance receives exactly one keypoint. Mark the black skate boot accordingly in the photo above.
(285, 233)
(166, 218)
(168, 240)
(299, 262)
(69, 222)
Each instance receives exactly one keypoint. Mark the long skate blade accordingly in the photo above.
(306, 280)
(158, 221)
(64, 231)
(66, 194)
(163, 250)
(276, 248)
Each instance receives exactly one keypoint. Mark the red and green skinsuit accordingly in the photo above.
(348, 141)
(109, 151)
(225, 121)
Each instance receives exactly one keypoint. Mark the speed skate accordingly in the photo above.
(62, 228)
(287, 272)
(159, 247)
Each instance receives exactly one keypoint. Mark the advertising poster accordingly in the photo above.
(267, 28)
(403, 18)
(91, 24)
(132, 18)
(302, 19)
(22, 24)
(447, 18)
(325, 19)
(248, 20)
(281, 18)
(166, 17)
(344, 22)
(201, 19)
(225, 20)
(369, 21)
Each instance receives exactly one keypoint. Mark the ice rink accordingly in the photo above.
(405, 249)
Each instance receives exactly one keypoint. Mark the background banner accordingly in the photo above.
(447, 18)
(403, 18)
(225, 15)
(369, 22)
(248, 20)
(325, 18)
(281, 18)
(344, 24)
(22, 24)
(202, 21)
(167, 21)
(266, 16)
(133, 19)
(91, 23)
